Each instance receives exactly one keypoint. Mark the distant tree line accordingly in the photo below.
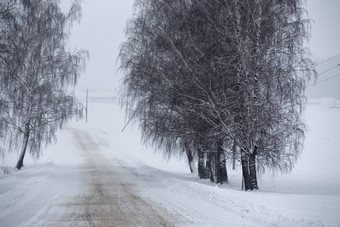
(219, 81)
(36, 72)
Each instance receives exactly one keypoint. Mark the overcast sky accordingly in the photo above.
(101, 31)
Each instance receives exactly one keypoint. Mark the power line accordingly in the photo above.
(328, 70)
(328, 59)
(329, 78)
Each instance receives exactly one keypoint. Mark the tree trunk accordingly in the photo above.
(252, 169)
(245, 170)
(211, 166)
(202, 173)
(190, 158)
(234, 154)
(20, 162)
(221, 176)
(249, 170)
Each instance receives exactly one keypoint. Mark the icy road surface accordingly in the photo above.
(105, 198)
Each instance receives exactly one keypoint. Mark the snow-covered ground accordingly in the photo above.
(309, 196)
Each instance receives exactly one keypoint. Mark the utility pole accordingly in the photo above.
(87, 102)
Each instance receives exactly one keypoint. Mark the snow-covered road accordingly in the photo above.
(102, 197)
(97, 175)
(107, 200)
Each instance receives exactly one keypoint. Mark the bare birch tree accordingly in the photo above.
(39, 72)
(173, 112)
(234, 68)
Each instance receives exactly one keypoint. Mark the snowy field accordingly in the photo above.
(308, 196)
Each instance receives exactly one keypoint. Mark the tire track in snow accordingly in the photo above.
(105, 200)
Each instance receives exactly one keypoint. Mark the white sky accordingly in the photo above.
(325, 43)
(101, 31)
